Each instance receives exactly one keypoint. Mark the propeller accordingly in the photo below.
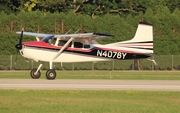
(19, 45)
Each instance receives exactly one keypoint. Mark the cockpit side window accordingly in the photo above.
(87, 46)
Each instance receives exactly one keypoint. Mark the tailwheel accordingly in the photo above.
(35, 75)
(51, 74)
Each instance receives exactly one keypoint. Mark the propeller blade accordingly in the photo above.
(16, 57)
(19, 45)
(21, 36)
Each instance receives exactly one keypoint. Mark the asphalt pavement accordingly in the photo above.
(83, 84)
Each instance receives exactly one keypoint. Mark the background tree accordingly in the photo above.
(117, 17)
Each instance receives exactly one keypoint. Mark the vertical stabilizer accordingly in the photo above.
(144, 33)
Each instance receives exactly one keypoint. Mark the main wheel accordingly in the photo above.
(51, 74)
(35, 75)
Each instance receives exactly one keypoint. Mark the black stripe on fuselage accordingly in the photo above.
(138, 48)
(138, 42)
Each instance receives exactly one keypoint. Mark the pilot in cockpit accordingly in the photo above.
(50, 41)
(62, 42)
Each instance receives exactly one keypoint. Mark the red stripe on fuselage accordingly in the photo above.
(49, 46)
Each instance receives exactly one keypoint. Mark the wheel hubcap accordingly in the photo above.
(51, 74)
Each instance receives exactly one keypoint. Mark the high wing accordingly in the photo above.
(93, 36)
(35, 34)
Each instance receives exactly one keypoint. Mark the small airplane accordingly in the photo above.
(83, 47)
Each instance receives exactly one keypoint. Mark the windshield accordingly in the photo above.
(49, 39)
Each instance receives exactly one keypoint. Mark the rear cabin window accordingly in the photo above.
(78, 45)
(87, 46)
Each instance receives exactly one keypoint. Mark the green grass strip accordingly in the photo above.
(77, 101)
(123, 75)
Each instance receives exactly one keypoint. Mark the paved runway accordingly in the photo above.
(76, 84)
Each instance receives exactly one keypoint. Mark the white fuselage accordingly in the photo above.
(45, 55)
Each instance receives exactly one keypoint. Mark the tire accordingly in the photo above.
(51, 74)
(35, 76)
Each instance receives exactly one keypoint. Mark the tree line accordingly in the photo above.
(117, 17)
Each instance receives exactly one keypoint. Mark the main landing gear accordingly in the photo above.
(50, 73)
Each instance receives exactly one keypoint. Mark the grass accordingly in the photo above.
(123, 75)
(76, 101)
(91, 101)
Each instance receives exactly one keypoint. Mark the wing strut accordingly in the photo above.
(64, 47)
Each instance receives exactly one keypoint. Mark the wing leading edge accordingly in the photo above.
(35, 34)
(94, 35)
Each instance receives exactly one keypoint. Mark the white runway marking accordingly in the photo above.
(69, 84)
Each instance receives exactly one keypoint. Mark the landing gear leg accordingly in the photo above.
(51, 73)
(35, 73)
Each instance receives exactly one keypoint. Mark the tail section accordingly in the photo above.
(142, 41)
